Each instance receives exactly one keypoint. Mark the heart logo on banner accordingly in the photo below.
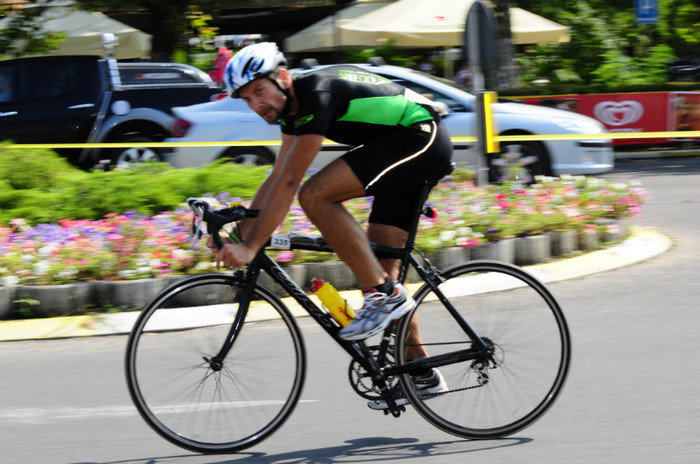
(618, 113)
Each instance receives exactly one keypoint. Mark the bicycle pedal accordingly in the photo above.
(396, 413)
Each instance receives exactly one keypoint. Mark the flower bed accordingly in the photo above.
(130, 246)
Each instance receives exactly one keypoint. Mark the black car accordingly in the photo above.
(87, 99)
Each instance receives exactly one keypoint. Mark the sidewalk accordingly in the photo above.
(640, 246)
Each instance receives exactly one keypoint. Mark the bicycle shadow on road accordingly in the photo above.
(377, 449)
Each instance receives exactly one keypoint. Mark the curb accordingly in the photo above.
(643, 244)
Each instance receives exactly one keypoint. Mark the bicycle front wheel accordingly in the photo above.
(498, 394)
(211, 410)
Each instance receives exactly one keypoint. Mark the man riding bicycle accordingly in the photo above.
(398, 144)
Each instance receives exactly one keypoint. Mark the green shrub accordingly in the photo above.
(41, 187)
(31, 169)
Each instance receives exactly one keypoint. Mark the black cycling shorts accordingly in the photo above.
(394, 169)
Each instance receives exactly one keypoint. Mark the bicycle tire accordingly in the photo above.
(176, 391)
(519, 318)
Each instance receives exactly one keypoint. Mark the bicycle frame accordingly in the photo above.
(357, 350)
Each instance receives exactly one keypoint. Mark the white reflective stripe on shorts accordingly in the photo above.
(407, 159)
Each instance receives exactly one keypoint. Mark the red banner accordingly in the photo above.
(632, 112)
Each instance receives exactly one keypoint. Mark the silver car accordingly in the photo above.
(230, 120)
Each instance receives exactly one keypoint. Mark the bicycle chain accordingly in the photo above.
(433, 395)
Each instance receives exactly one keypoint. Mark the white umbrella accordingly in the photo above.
(325, 35)
(84, 33)
(529, 28)
(420, 23)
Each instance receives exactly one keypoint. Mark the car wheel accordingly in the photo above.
(123, 157)
(519, 161)
(251, 156)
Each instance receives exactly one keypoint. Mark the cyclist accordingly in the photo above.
(398, 143)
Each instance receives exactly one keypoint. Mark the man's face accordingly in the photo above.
(265, 98)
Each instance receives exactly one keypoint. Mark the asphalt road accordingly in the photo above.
(631, 397)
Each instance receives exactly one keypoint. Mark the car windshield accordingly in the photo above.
(454, 105)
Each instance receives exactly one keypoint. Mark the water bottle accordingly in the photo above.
(333, 302)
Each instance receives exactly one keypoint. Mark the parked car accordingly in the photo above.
(231, 120)
(78, 99)
(685, 70)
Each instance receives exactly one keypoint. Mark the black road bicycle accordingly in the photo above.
(216, 363)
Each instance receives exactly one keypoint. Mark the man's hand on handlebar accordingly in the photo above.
(235, 255)
(224, 238)
(232, 254)
(229, 255)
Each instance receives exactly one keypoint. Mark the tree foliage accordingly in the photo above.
(24, 34)
(607, 47)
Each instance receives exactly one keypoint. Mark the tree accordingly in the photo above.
(680, 26)
(24, 34)
(504, 72)
(168, 18)
(607, 46)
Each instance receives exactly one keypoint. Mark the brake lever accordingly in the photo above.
(197, 207)
(195, 231)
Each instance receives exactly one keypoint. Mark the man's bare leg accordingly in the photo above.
(395, 237)
(321, 198)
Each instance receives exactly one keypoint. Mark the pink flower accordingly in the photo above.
(285, 257)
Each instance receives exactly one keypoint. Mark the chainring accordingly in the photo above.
(362, 382)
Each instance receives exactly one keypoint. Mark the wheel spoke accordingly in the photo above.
(194, 406)
(518, 319)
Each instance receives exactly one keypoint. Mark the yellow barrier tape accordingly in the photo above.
(625, 135)
(249, 143)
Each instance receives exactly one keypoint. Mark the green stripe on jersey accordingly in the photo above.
(387, 111)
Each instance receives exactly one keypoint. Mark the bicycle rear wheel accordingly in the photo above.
(171, 380)
(520, 320)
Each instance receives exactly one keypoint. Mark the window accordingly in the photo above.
(49, 79)
(153, 75)
(452, 104)
(7, 84)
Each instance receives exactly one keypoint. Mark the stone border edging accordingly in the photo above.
(83, 297)
(642, 245)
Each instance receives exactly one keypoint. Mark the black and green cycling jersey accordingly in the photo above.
(349, 105)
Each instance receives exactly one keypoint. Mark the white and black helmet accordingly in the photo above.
(250, 63)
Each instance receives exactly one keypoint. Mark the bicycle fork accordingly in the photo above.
(243, 296)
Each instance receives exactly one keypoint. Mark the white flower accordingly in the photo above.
(67, 273)
(448, 235)
(181, 254)
(41, 267)
(9, 281)
(48, 250)
(464, 231)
